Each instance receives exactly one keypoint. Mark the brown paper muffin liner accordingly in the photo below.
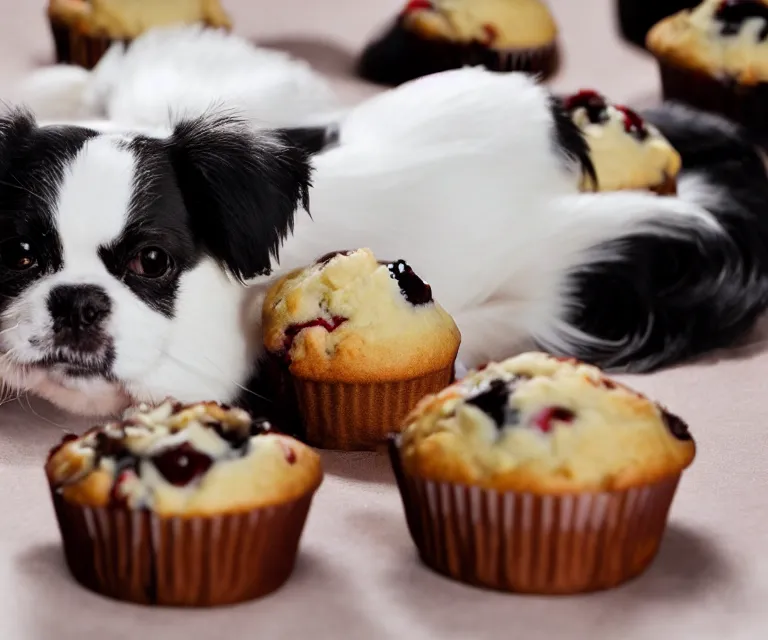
(636, 17)
(400, 55)
(141, 557)
(73, 47)
(338, 415)
(744, 104)
(666, 188)
(526, 543)
(542, 61)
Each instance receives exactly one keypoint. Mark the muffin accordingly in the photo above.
(626, 151)
(84, 29)
(436, 35)
(361, 342)
(636, 17)
(194, 505)
(715, 57)
(539, 475)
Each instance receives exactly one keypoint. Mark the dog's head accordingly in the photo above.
(121, 257)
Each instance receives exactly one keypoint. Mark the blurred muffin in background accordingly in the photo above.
(715, 58)
(84, 29)
(429, 36)
(636, 17)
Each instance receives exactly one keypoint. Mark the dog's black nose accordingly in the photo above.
(77, 307)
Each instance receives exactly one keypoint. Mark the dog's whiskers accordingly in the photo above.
(6, 330)
(8, 394)
(196, 371)
(25, 396)
(208, 374)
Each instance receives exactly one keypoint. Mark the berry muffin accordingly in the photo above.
(715, 57)
(430, 36)
(636, 17)
(362, 341)
(193, 505)
(540, 475)
(626, 151)
(84, 29)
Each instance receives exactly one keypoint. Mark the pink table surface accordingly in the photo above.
(358, 575)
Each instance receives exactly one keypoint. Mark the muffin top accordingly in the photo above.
(499, 24)
(351, 318)
(127, 19)
(545, 425)
(719, 37)
(627, 152)
(183, 460)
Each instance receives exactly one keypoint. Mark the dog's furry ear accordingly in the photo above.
(16, 125)
(241, 187)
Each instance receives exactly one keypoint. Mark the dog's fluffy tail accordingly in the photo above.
(473, 177)
(662, 296)
(447, 171)
(464, 173)
(59, 92)
(177, 72)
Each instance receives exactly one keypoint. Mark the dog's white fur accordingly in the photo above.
(200, 353)
(455, 172)
(178, 72)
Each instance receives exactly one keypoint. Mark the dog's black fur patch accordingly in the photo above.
(32, 165)
(213, 187)
(311, 140)
(241, 189)
(661, 300)
(269, 394)
(156, 218)
(568, 140)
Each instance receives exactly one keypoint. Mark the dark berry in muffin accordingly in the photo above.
(413, 288)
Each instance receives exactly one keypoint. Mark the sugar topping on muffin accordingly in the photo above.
(717, 37)
(498, 24)
(349, 317)
(543, 424)
(627, 152)
(176, 459)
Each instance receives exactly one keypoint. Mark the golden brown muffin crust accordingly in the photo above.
(347, 320)
(700, 40)
(540, 424)
(501, 24)
(127, 19)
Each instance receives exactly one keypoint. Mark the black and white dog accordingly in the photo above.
(126, 246)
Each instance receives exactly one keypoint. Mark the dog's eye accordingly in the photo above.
(150, 263)
(17, 255)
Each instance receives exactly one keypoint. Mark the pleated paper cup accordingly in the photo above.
(528, 543)
(666, 188)
(74, 47)
(347, 416)
(541, 61)
(141, 557)
(400, 55)
(744, 104)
